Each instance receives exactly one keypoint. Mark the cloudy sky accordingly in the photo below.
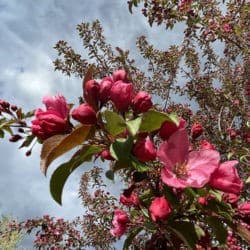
(29, 30)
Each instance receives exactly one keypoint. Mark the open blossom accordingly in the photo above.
(159, 209)
(144, 150)
(168, 128)
(141, 102)
(182, 168)
(52, 121)
(121, 95)
(226, 178)
(119, 222)
(85, 114)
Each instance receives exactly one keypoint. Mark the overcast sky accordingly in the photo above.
(29, 30)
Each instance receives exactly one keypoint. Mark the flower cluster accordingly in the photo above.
(169, 171)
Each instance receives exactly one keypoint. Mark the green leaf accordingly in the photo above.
(1, 133)
(152, 120)
(138, 166)
(120, 149)
(115, 124)
(130, 237)
(57, 145)
(171, 197)
(134, 125)
(62, 173)
(218, 228)
(186, 231)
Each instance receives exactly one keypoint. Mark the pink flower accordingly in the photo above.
(183, 169)
(121, 95)
(119, 222)
(52, 121)
(168, 128)
(196, 130)
(204, 144)
(159, 209)
(120, 75)
(144, 150)
(141, 102)
(244, 208)
(92, 93)
(105, 87)
(226, 178)
(85, 114)
(129, 200)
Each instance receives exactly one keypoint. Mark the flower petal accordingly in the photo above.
(175, 150)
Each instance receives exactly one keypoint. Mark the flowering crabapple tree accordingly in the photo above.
(185, 166)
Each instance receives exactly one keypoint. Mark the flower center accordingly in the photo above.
(180, 169)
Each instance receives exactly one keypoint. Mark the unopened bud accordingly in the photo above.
(28, 153)
(13, 107)
(15, 138)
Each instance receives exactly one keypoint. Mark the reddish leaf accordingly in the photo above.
(57, 145)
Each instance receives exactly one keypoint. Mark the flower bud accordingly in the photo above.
(52, 121)
(144, 150)
(202, 201)
(159, 209)
(168, 128)
(129, 200)
(15, 138)
(244, 208)
(105, 155)
(105, 87)
(92, 93)
(120, 75)
(141, 102)
(204, 144)
(85, 114)
(196, 130)
(119, 222)
(121, 95)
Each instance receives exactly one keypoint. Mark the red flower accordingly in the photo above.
(244, 208)
(168, 128)
(144, 150)
(105, 87)
(196, 130)
(142, 102)
(159, 209)
(52, 121)
(120, 75)
(130, 200)
(92, 93)
(121, 95)
(119, 222)
(105, 154)
(85, 114)
(226, 178)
